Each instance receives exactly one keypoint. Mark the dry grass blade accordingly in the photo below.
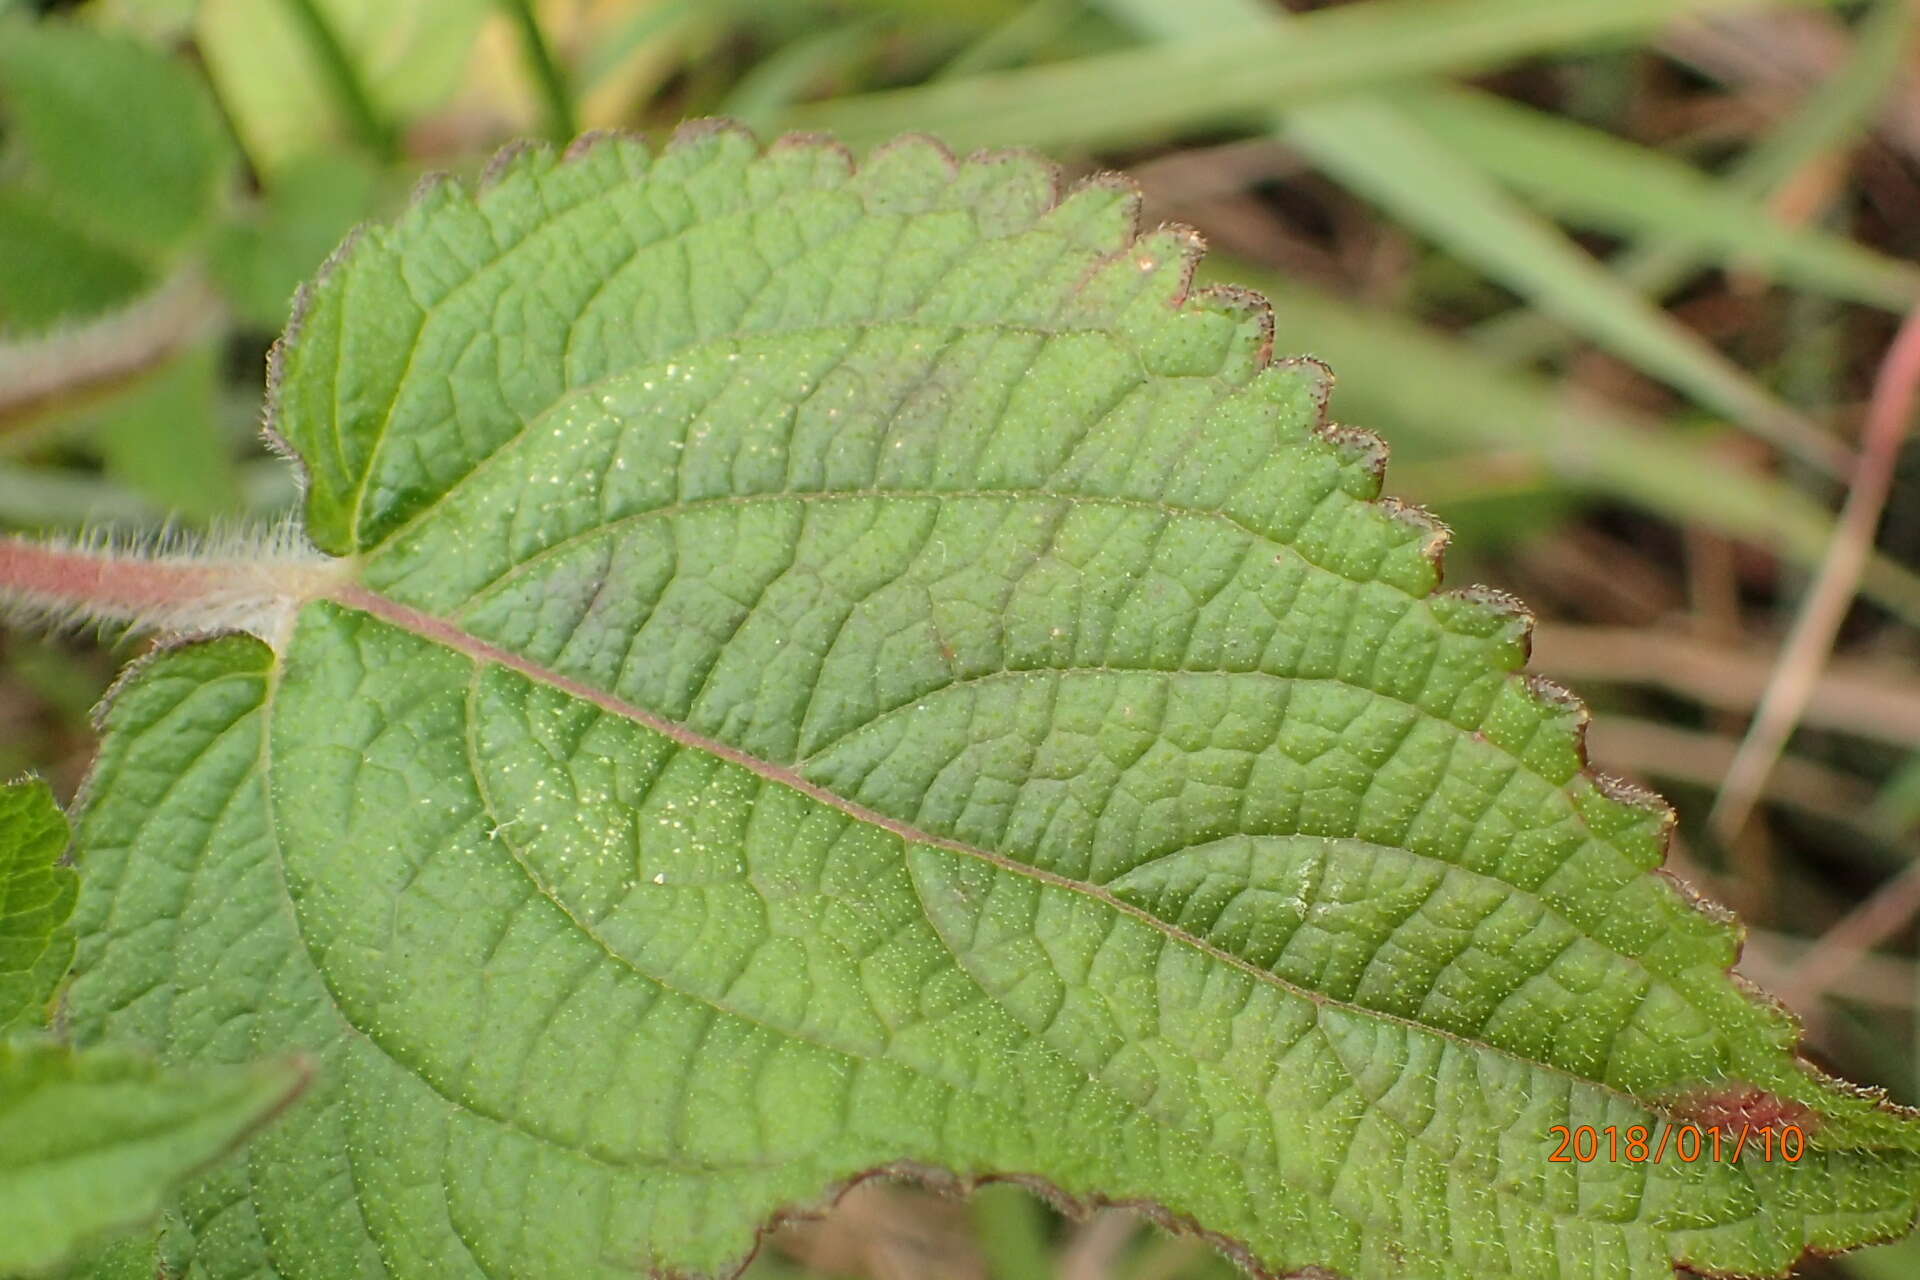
(1838, 578)
(1623, 743)
(1785, 52)
(886, 1231)
(1097, 1245)
(1853, 697)
(1856, 933)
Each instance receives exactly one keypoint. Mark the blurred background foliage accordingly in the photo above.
(1613, 276)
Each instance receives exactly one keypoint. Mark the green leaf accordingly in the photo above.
(90, 1143)
(161, 1251)
(116, 161)
(165, 441)
(36, 898)
(831, 669)
(66, 274)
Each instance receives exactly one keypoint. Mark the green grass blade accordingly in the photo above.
(547, 74)
(1015, 41)
(1191, 82)
(1588, 177)
(774, 83)
(1833, 114)
(661, 21)
(349, 88)
(1836, 111)
(1385, 155)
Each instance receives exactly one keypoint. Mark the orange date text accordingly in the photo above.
(1682, 1143)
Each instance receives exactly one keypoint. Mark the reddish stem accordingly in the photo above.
(103, 583)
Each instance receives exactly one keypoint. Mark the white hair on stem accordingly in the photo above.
(241, 578)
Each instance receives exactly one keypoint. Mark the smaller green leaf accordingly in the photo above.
(164, 440)
(66, 275)
(155, 1252)
(36, 898)
(120, 138)
(114, 162)
(90, 1142)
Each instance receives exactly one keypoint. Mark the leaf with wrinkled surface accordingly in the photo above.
(827, 669)
(91, 1142)
(36, 899)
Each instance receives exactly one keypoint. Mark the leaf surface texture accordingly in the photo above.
(36, 898)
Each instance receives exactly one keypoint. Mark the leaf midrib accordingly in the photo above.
(436, 630)
(481, 595)
(715, 1007)
(439, 631)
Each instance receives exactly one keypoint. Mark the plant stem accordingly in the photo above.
(102, 584)
(242, 583)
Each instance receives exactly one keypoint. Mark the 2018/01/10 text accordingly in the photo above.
(1687, 1143)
